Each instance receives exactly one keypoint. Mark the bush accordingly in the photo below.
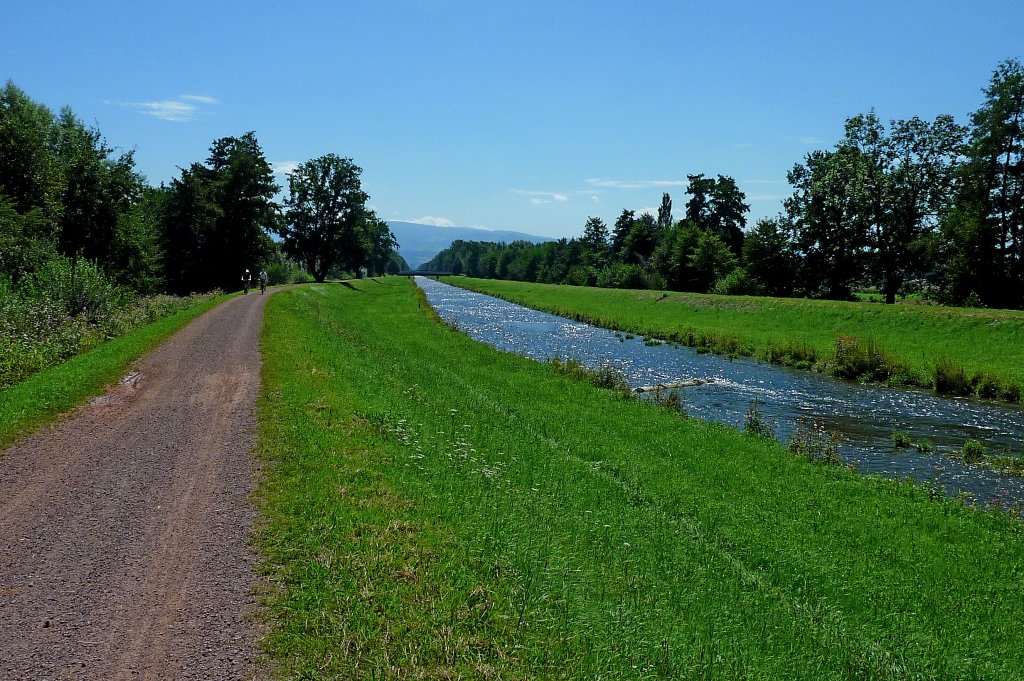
(63, 311)
(286, 273)
(605, 376)
(756, 423)
(900, 440)
(78, 288)
(816, 443)
(856, 360)
(621, 275)
(794, 354)
(973, 452)
(738, 283)
(987, 385)
(949, 378)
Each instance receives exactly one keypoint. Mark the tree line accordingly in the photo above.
(915, 205)
(66, 196)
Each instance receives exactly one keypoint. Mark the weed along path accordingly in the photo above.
(124, 530)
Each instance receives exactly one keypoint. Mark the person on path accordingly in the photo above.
(263, 281)
(246, 282)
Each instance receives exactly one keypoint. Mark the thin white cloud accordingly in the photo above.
(542, 197)
(762, 182)
(767, 197)
(284, 167)
(595, 199)
(634, 184)
(201, 99)
(435, 222)
(183, 108)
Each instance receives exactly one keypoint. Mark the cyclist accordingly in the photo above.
(246, 282)
(263, 281)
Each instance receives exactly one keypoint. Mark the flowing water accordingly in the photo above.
(863, 416)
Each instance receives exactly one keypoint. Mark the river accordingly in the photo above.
(863, 416)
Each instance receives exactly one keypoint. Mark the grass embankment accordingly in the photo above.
(42, 397)
(436, 509)
(953, 350)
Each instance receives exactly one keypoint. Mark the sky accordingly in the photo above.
(527, 116)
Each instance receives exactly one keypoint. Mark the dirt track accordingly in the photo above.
(124, 530)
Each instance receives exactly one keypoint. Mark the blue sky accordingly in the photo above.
(525, 115)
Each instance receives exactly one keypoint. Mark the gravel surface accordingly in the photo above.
(124, 530)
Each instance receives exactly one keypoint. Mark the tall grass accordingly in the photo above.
(436, 509)
(896, 344)
(64, 310)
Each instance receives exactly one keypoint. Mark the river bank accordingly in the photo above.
(435, 507)
(958, 351)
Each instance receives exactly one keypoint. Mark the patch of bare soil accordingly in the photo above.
(124, 530)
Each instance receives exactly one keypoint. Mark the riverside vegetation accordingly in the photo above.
(433, 508)
(957, 351)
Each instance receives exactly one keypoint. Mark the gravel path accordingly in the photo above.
(124, 530)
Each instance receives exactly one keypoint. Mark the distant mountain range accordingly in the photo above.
(420, 243)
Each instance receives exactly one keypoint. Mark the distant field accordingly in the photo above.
(436, 509)
(915, 339)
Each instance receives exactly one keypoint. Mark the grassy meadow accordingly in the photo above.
(954, 350)
(432, 508)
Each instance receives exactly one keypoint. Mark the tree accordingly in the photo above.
(990, 204)
(665, 212)
(769, 259)
(381, 245)
(214, 219)
(711, 260)
(641, 240)
(595, 242)
(905, 183)
(623, 226)
(671, 258)
(828, 217)
(243, 190)
(327, 224)
(718, 205)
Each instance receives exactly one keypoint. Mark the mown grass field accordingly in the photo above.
(987, 344)
(42, 397)
(435, 509)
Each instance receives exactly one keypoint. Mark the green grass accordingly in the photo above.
(433, 508)
(901, 344)
(38, 400)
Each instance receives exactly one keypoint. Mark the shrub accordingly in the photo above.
(973, 452)
(900, 440)
(1010, 392)
(949, 378)
(756, 423)
(738, 283)
(794, 353)
(604, 376)
(816, 443)
(923, 446)
(78, 288)
(854, 359)
(987, 385)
